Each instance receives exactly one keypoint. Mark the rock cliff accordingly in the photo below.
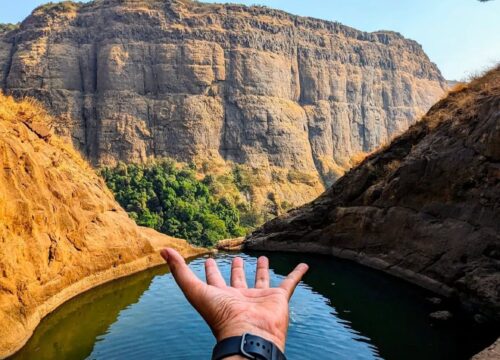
(61, 231)
(136, 79)
(425, 208)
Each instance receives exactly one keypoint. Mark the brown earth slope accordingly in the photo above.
(61, 231)
(425, 208)
(292, 97)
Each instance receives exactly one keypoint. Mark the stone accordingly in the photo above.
(490, 353)
(61, 231)
(132, 80)
(435, 300)
(442, 315)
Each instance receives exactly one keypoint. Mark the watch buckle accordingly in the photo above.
(242, 347)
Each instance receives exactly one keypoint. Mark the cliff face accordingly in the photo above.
(132, 80)
(426, 208)
(61, 231)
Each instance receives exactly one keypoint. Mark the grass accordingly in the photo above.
(8, 27)
(461, 100)
(63, 6)
(31, 111)
(296, 176)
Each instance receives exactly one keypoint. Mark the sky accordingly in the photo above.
(461, 36)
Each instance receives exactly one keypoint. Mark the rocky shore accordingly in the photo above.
(424, 208)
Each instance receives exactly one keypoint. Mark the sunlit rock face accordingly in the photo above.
(134, 80)
(61, 230)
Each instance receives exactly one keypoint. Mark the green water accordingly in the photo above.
(340, 311)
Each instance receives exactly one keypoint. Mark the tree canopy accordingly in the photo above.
(170, 199)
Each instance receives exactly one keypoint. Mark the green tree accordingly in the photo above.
(171, 200)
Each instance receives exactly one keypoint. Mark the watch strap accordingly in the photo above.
(248, 345)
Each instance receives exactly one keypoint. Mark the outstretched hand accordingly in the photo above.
(236, 309)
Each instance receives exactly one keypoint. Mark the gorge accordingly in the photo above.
(288, 104)
(292, 98)
(424, 208)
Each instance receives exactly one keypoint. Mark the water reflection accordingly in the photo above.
(341, 311)
(390, 312)
(71, 331)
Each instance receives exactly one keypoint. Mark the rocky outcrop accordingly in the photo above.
(136, 79)
(425, 208)
(61, 231)
(490, 353)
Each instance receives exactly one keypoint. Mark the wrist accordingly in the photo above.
(275, 337)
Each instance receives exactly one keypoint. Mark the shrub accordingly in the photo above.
(8, 27)
(170, 199)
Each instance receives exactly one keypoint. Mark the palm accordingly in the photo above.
(236, 309)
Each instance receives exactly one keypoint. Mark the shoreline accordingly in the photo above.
(85, 284)
(491, 352)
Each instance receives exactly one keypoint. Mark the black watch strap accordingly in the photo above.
(248, 345)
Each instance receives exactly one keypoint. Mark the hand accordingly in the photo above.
(234, 310)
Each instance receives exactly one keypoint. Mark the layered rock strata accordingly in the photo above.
(134, 79)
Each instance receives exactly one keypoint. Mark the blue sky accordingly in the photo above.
(461, 36)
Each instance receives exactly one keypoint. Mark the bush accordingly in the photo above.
(171, 200)
(8, 27)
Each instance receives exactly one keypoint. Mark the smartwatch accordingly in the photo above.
(249, 346)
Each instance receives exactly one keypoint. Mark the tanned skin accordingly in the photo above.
(236, 309)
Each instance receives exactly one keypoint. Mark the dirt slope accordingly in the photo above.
(61, 231)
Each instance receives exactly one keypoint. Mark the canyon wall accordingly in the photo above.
(134, 80)
(61, 231)
(425, 208)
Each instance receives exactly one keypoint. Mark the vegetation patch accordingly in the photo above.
(63, 6)
(169, 198)
(8, 27)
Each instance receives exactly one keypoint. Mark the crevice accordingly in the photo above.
(315, 159)
(433, 261)
(8, 66)
(52, 249)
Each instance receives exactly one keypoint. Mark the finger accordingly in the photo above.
(238, 279)
(291, 281)
(213, 274)
(190, 285)
(262, 274)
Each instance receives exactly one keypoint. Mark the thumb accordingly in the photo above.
(191, 286)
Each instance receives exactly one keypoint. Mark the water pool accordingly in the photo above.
(340, 311)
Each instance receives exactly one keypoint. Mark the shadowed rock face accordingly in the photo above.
(133, 80)
(426, 208)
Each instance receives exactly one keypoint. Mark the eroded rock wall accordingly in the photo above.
(61, 231)
(425, 208)
(134, 80)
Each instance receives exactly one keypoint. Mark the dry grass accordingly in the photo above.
(32, 113)
(457, 88)
(462, 99)
(358, 158)
(301, 177)
(27, 110)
